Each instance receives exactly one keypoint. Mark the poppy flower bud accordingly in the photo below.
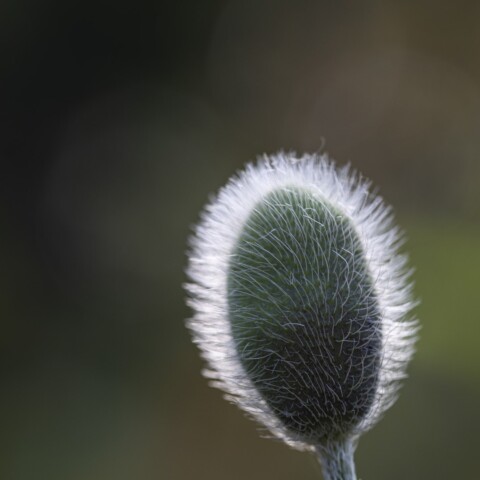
(301, 303)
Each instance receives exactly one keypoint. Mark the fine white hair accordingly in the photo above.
(216, 236)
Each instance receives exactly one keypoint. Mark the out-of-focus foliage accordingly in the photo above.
(117, 122)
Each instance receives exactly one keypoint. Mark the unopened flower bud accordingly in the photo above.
(301, 303)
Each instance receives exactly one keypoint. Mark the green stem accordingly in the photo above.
(336, 459)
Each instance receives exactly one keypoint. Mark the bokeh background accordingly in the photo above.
(119, 119)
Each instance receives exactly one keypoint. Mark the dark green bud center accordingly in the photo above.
(304, 315)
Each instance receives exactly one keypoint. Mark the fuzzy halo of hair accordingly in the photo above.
(211, 248)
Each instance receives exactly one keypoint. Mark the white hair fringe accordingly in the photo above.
(211, 248)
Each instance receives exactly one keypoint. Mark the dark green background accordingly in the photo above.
(118, 119)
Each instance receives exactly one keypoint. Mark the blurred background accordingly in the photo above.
(119, 119)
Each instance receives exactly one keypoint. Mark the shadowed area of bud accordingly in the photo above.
(304, 315)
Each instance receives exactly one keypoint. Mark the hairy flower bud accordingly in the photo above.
(301, 303)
